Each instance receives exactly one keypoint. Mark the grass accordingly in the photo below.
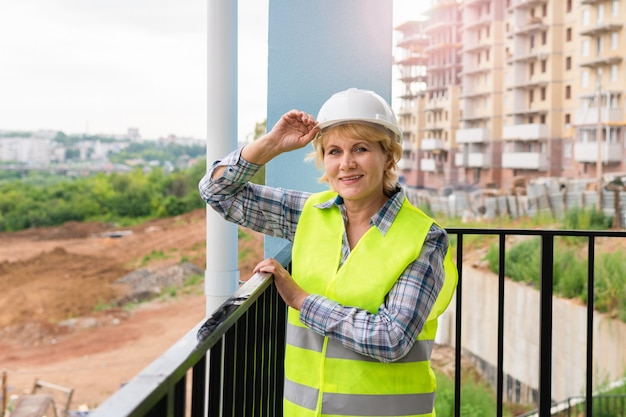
(523, 260)
(152, 256)
(477, 397)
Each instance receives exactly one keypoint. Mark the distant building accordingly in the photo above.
(182, 141)
(36, 150)
(500, 90)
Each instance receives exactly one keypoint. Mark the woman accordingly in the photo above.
(368, 278)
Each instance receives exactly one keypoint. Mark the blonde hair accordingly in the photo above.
(364, 131)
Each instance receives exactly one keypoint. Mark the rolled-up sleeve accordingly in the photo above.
(272, 211)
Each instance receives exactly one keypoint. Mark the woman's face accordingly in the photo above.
(354, 168)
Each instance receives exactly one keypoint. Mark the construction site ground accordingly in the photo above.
(57, 289)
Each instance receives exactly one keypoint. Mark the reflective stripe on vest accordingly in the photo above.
(306, 339)
(359, 405)
(321, 376)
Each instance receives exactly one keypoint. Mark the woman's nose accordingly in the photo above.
(347, 161)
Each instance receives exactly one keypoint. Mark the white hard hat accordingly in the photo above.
(356, 105)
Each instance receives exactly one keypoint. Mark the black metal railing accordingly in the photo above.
(241, 346)
(547, 238)
(230, 364)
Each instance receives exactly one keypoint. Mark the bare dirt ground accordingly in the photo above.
(50, 275)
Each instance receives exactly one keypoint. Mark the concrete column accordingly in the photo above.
(221, 276)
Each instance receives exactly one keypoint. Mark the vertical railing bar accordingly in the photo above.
(215, 379)
(591, 251)
(160, 408)
(267, 346)
(269, 369)
(179, 397)
(255, 352)
(230, 368)
(240, 380)
(545, 319)
(277, 357)
(280, 348)
(260, 346)
(457, 327)
(500, 358)
(198, 387)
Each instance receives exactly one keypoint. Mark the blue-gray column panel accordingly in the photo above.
(316, 48)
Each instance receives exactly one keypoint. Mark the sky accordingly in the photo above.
(103, 66)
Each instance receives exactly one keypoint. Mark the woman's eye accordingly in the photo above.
(361, 149)
(333, 152)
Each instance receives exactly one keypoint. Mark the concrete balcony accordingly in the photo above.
(473, 135)
(432, 144)
(534, 131)
(431, 165)
(427, 165)
(588, 152)
(525, 4)
(601, 61)
(408, 146)
(601, 28)
(405, 164)
(472, 160)
(525, 160)
(589, 116)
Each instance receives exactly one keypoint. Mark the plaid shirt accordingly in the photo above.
(387, 335)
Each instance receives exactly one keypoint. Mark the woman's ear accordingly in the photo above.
(390, 161)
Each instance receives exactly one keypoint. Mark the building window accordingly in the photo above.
(615, 7)
(613, 73)
(568, 91)
(568, 34)
(584, 78)
(600, 17)
(531, 41)
(568, 63)
(586, 17)
(531, 69)
(544, 64)
(543, 93)
(568, 119)
(585, 47)
(531, 96)
(614, 40)
(542, 119)
(568, 6)
(544, 37)
(544, 10)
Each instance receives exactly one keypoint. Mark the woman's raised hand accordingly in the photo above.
(294, 130)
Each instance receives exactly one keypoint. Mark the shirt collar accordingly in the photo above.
(383, 218)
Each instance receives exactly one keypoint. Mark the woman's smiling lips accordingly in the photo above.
(351, 178)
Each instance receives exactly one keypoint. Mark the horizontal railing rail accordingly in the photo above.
(236, 366)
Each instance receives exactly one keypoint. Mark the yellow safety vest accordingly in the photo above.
(323, 378)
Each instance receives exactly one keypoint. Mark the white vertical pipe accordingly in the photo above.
(221, 276)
